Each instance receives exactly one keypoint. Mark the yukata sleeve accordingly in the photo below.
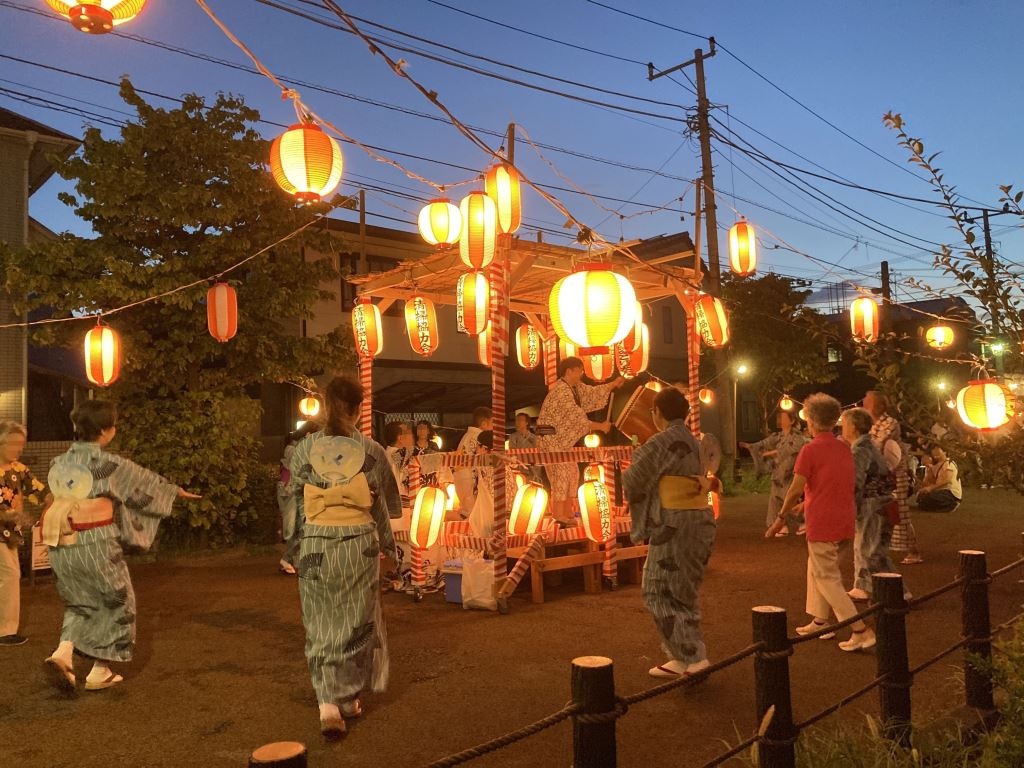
(592, 398)
(640, 485)
(762, 465)
(387, 501)
(141, 498)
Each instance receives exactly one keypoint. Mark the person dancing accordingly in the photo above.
(346, 492)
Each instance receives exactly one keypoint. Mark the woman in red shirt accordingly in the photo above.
(824, 474)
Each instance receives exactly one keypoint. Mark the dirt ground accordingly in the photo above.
(220, 670)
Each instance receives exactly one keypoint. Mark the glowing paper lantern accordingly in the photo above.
(97, 16)
(102, 355)
(421, 322)
(366, 328)
(939, 336)
(518, 478)
(528, 508)
(786, 403)
(529, 347)
(437, 441)
(633, 363)
(592, 440)
(306, 162)
(451, 498)
(440, 223)
(985, 405)
(222, 312)
(483, 347)
(594, 472)
(715, 502)
(472, 302)
(309, 406)
(596, 511)
(593, 308)
(427, 516)
(864, 319)
(742, 248)
(802, 415)
(654, 386)
(635, 336)
(479, 229)
(599, 367)
(706, 396)
(712, 322)
(502, 185)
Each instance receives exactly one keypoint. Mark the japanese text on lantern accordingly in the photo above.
(422, 325)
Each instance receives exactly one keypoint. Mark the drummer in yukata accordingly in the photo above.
(565, 408)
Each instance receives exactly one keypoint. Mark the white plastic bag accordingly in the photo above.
(478, 583)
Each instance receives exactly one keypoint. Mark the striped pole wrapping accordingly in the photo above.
(542, 457)
(418, 576)
(693, 362)
(415, 481)
(366, 407)
(610, 568)
(523, 564)
(499, 349)
(550, 354)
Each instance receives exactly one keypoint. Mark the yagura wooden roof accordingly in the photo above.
(535, 267)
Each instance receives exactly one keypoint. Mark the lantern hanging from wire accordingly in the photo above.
(502, 185)
(421, 322)
(939, 336)
(528, 508)
(440, 223)
(592, 440)
(596, 511)
(366, 328)
(985, 405)
(306, 162)
(222, 312)
(786, 403)
(102, 355)
(631, 364)
(743, 248)
(309, 406)
(427, 516)
(529, 346)
(593, 307)
(864, 318)
(635, 336)
(711, 320)
(97, 17)
(706, 395)
(483, 347)
(802, 414)
(472, 302)
(479, 229)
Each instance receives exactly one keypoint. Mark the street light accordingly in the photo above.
(742, 369)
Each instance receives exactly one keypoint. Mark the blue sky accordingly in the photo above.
(948, 66)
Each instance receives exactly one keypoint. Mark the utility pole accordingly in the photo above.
(726, 395)
(886, 324)
(988, 263)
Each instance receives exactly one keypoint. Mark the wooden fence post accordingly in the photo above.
(593, 692)
(280, 754)
(977, 629)
(771, 680)
(893, 664)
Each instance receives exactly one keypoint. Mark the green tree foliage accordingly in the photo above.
(779, 337)
(180, 195)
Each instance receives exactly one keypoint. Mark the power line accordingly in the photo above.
(649, 21)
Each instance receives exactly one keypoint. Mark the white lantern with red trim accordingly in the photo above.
(366, 328)
(427, 516)
(483, 347)
(864, 318)
(706, 395)
(421, 323)
(711, 320)
(596, 511)
(632, 364)
(528, 508)
(985, 405)
(940, 336)
(102, 355)
(743, 248)
(309, 406)
(479, 230)
(472, 302)
(529, 347)
(222, 312)
(306, 162)
(594, 308)
(502, 185)
(97, 17)
(440, 223)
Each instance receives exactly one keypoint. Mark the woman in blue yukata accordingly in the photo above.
(346, 493)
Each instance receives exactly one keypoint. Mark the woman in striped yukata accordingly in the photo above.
(347, 494)
(102, 503)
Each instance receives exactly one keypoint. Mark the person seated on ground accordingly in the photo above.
(941, 490)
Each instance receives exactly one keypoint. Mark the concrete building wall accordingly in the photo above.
(15, 154)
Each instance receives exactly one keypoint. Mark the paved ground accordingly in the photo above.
(220, 669)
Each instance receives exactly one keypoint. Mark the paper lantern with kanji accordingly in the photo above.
(596, 511)
(712, 322)
(786, 403)
(309, 406)
(427, 516)
(743, 248)
(483, 347)
(97, 16)
(706, 396)
(421, 322)
(479, 229)
(631, 364)
(593, 472)
(472, 303)
(529, 347)
(864, 319)
(985, 405)
(306, 162)
(366, 328)
(528, 508)
(635, 336)
(102, 355)
(222, 311)
(939, 336)
(440, 223)
(599, 367)
(594, 308)
(502, 185)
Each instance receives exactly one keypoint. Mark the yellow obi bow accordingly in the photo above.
(347, 504)
(684, 491)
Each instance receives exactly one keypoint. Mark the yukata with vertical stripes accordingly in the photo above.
(92, 576)
(679, 540)
(886, 428)
(339, 570)
(872, 492)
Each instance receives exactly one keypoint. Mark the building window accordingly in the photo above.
(666, 324)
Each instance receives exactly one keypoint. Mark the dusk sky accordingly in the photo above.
(950, 67)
